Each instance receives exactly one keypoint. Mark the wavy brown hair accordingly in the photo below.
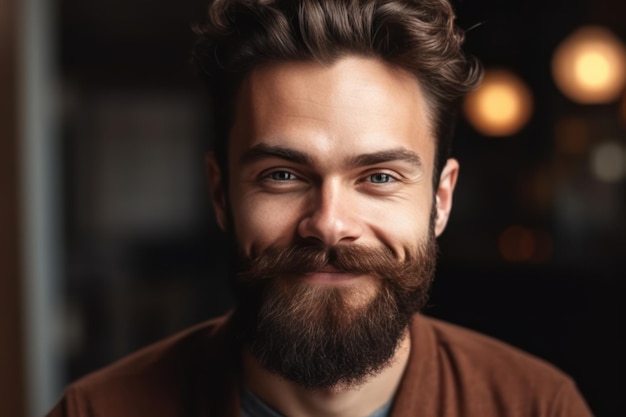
(419, 36)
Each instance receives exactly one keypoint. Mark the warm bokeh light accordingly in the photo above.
(589, 66)
(608, 161)
(516, 244)
(520, 244)
(571, 135)
(501, 106)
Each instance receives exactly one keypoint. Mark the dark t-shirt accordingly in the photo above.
(452, 372)
(253, 406)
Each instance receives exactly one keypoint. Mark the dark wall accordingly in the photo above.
(12, 383)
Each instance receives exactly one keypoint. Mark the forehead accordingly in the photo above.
(359, 103)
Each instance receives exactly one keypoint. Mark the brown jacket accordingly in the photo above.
(452, 372)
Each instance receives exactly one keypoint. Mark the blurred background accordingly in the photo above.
(107, 241)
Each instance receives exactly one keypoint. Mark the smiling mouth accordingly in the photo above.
(330, 275)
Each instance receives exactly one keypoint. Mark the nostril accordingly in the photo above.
(331, 218)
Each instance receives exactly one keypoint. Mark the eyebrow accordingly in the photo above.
(398, 154)
(261, 151)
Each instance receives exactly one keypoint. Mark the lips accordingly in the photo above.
(330, 275)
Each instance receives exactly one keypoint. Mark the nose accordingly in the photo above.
(332, 218)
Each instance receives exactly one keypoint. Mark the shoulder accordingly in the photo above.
(172, 355)
(478, 352)
(490, 377)
(151, 380)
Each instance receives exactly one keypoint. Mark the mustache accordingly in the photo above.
(297, 259)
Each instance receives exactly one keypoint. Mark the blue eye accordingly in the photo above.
(380, 178)
(281, 176)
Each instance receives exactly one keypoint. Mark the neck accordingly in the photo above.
(293, 400)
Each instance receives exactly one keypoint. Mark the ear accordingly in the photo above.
(443, 196)
(217, 189)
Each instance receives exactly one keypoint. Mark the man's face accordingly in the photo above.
(337, 156)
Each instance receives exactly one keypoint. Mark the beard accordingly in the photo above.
(329, 336)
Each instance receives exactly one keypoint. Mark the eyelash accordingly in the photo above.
(390, 178)
(274, 176)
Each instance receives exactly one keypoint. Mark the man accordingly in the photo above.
(332, 179)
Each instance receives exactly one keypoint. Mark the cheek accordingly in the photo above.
(401, 226)
(261, 222)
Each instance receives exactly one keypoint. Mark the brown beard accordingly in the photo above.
(314, 335)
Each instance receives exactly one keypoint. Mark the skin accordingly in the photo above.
(335, 154)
